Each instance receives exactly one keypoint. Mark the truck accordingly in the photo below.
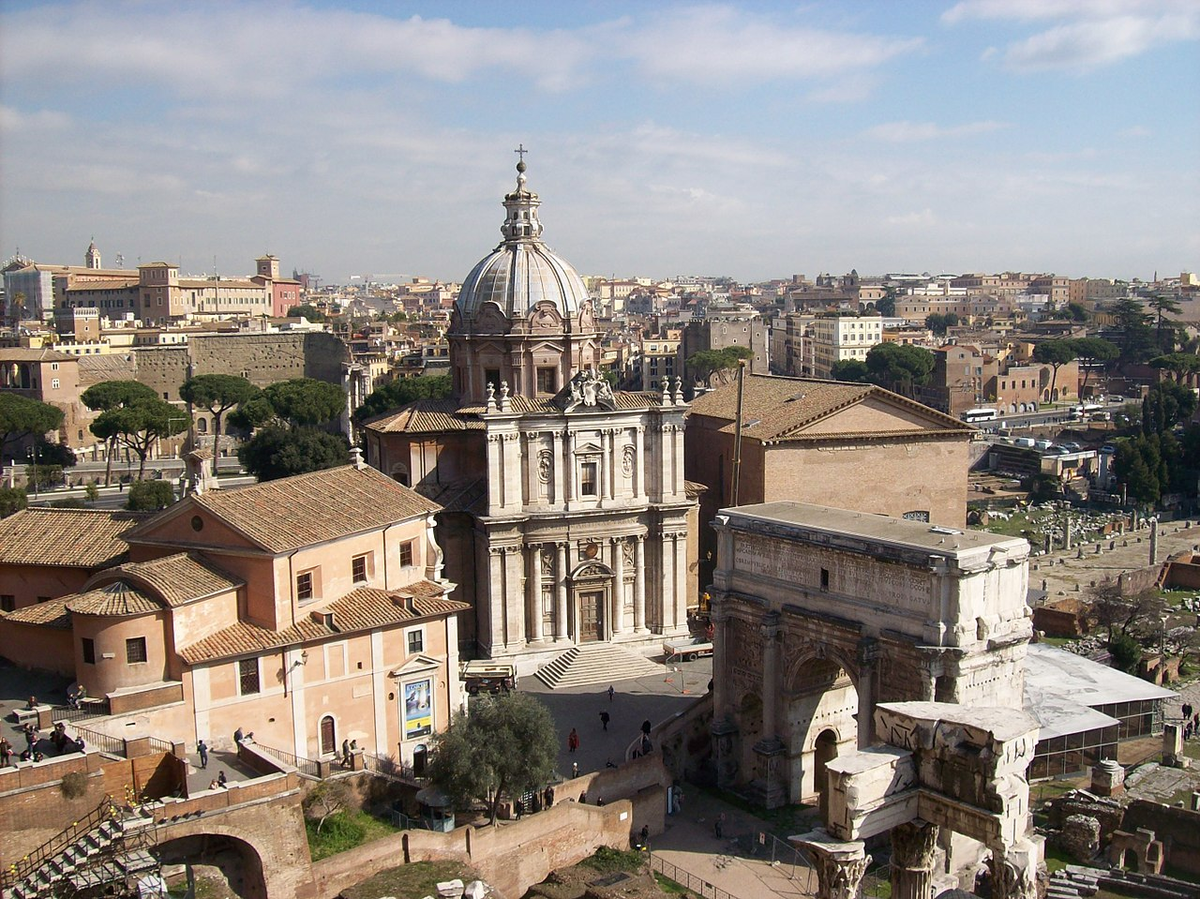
(687, 648)
(483, 676)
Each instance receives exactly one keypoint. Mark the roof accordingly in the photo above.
(73, 538)
(1063, 690)
(27, 354)
(366, 608)
(290, 513)
(117, 599)
(52, 613)
(177, 579)
(776, 408)
(436, 416)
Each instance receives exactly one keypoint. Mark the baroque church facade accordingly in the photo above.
(567, 519)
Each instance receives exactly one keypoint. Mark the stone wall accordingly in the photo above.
(1177, 828)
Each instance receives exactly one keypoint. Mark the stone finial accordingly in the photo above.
(490, 390)
(504, 396)
(678, 390)
(666, 392)
(356, 458)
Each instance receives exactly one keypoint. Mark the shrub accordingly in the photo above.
(74, 784)
(1126, 653)
(12, 499)
(150, 496)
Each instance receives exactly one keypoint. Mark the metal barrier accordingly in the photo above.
(89, 708)
(18, 871)
(687, 880)
(388, 767)
(307, 767)
(104, 742)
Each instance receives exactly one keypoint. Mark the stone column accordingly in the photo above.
(1014, 870)
(569, 469)
(639, 583)
(602, 471)
(618, 611)
(560, 594)
(840, 866)
(559, 465)
(495, 615)
(913, 848)
(768, 785)
(769, 629)
(868, 657)
(612, 463)
(495, 481)
(534, 554)
(1153, 541)
(639, 463)
(722, 728)
(1172, 746)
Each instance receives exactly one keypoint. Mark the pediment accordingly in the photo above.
(878, 415)
(418, 664)
(588, 449)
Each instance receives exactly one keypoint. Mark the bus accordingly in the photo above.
(971, 416)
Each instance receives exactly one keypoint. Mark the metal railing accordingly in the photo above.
(161, 745)
(89, 708)
(307, 767)
(388, 767)
(104, 742)
(18, 871)
(687, 880)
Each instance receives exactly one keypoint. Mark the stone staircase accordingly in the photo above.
(1072, 882)
(595, 663)
(102, 854)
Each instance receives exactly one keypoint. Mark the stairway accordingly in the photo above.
(97, 856)
(1072, 882)
(595, 663)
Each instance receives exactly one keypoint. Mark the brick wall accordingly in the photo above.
(1178, 828)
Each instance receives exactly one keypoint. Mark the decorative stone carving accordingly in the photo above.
(589, 388)
(627, 552)
(547, 563)
(545, 466)
(840, 866)
(914, 845)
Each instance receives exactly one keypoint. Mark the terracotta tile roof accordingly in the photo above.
(460, 496)
(776, 408)
(52, 613)
(177, 579)
(106, 367)
(34, 354)
(366, 608)
(75, 538)
(306, 509)
(434, 416)
(115, 600)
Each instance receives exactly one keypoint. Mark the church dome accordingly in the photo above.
(522, 272)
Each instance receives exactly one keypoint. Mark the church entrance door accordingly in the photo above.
(591, 616)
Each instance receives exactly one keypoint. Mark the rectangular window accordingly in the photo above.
(248, 677)
(54, 383)
(135, 650)
(304, 586)
(824, 578)
(89, 650)
(492, 376)
(587, 478)
(406, 554)
(416, 641)
(547, 380)
(359, 567)
(8, 602)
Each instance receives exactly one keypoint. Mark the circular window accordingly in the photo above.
(197, 523)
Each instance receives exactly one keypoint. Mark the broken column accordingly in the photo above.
(1014, 870)
(1172, 746)
(914, 846)
(1153, 541)
(840, 865)
(1108, 778)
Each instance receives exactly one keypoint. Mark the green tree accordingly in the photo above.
(703, 364)
(12, 499)
(150, 496)
(1056, 354)
(900, 367)
(504, 745)
(1180, 365)
(279, 452)
(1092, 351)
(139, 425)
(1132, 331)
(109, 395)
(850, 370)
(1165, 333)
(938, 323)
(887, 305)
(1126, 653)
(21, 416)
(400, 392)
(306, 401)
(218, 394)
(1166, 404)
(308, 311)
(1076, 312)
(1136, 466)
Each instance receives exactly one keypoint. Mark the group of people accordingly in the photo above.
(533, 801)
(59, 739)
(76, 697)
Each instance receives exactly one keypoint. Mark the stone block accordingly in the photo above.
(451, 889)
(1080, 837)
(1108, 778)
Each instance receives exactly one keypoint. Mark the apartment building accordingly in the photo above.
(845, 337)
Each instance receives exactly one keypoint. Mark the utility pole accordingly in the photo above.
(737, 439)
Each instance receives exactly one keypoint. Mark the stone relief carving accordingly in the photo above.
(545, 466)
(547, 563)
(627, 553)
(627, 459)
(588, 388)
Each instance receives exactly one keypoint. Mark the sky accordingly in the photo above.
(754, 140)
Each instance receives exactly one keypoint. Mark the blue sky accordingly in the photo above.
(755, 140)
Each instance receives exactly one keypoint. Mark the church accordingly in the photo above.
(567, 519)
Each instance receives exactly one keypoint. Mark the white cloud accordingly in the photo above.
(922, 218)
(12, 119)
(1090, 33)
(1136, 131)
(907, 132)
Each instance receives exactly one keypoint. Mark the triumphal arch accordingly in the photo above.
(821, 614)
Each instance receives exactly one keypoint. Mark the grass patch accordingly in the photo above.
(609, 861)
(345, 830)
(1057, 859)
(410, 881)
(670, 887)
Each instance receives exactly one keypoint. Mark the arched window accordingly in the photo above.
(328, 736)
(420, 757)
(400, 474)
(202, 425)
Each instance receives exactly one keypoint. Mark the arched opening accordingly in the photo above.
(220, 865)
(400, 474)
(420, 758)
(328, 736)
(824, 751)
(201, 425)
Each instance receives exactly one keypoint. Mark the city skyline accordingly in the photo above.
(753, 140)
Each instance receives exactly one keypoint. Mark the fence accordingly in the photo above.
(20, 870)
(388, 767)
(307, 767)
(687, 880)
(104, 742)
(90, 708)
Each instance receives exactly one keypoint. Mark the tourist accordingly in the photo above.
(31, 703)
(212, 784)
(549, 800)
(203, 750)
(611, 692)
(719, 826)
(604, 719)
(6, 752)
(221, 779)
(238, 736)
(572, 740)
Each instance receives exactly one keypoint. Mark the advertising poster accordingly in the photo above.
(418, 709)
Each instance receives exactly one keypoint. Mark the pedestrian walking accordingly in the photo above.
(203, 750)
(549, 797)
(238, 736)
(31, 736)
(612, 693)
(518, 808)
(646, 727)
(719, 826)
(572, 741)
(604, 719)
